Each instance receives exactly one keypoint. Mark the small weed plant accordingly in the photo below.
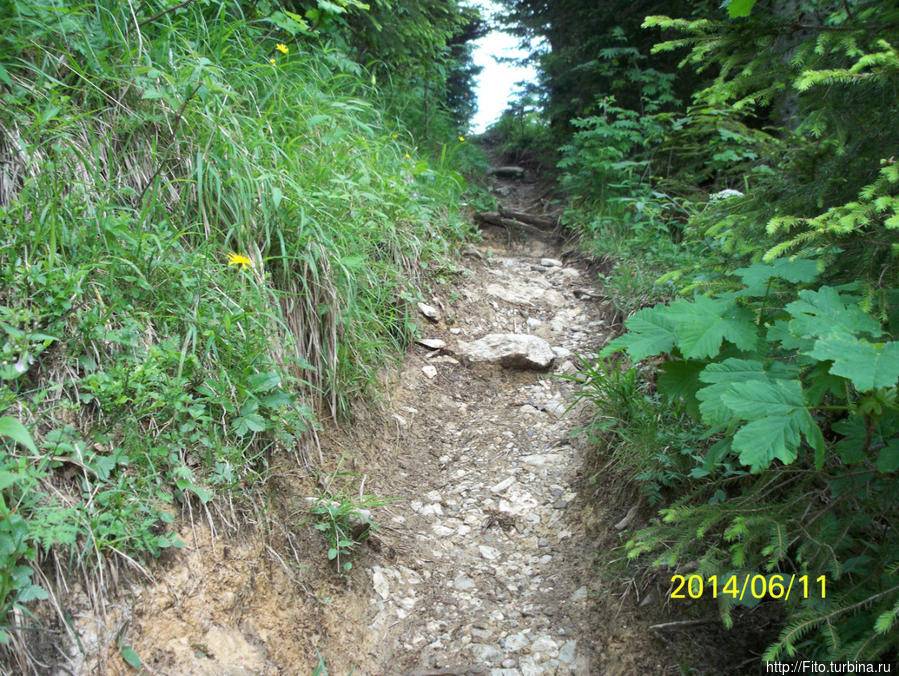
(344, 519)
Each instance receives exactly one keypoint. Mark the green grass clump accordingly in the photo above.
(210, 231)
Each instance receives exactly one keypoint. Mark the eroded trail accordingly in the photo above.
(482, 564)
(492, 564)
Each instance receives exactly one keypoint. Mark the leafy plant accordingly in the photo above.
(346, 521)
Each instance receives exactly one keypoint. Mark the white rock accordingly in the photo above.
(429, 371)
(463, 583)
(433, 496)
(533, 323)
(485, 654)
(503, 485)
(561, 352)
(543, 459)
(545, 645)
(550, 263)
(517, 295)
(379, 582)
(579, 594)
(429, 311)
(515, 641)
(432, 343)
(436, 509)
(505, 672)
(489, 553)
(570, 272)
(515, 350)
(568, 652)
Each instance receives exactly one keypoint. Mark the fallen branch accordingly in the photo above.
(494, 218)
(683, 623)
(539, 221)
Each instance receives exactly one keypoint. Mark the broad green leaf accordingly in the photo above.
(776, 413)
(888, 458)
(757, 276)
(720, 377)
(867, 365)
(650, 331)
(131, 657)
(738, 8)
(263, 382)
(702, 325)
(7, 479)
(761, 441)
(825, 311)
(680, 379)
(756, 399)
(12, 428)
(30, 592)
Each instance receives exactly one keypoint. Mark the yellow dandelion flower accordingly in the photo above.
(281, 48)
(272, 61)
(395, 136)
(408, 156)
(239, 259)
(462, 138)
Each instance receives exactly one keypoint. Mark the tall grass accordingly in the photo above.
(205, 240)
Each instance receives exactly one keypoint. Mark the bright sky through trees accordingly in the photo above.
(495, 86)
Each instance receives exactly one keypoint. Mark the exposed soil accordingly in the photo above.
(484, 562)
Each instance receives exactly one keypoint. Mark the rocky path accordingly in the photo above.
(493, 568)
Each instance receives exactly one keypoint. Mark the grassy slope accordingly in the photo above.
(149, 370)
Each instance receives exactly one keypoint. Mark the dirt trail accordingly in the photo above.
(483, 564)
(495, 567)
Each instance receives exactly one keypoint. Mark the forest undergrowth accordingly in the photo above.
(744, 206)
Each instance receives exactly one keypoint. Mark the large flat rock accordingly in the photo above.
(515, 350)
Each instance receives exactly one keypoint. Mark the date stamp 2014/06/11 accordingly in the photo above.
(747, 586)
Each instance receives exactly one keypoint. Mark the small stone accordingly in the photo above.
(533, 323)
(568, 652)
(550, 263)
(432, 343)
(509, 663)
(545, 645)
(463, 583)
(515, 642)
(543, 459)
(503, 485)
(455, 331)
(485, 654)
(379, 582)
(430, 312)
(561, 352)
(429, 371)
(489, 553)
(578, 595)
